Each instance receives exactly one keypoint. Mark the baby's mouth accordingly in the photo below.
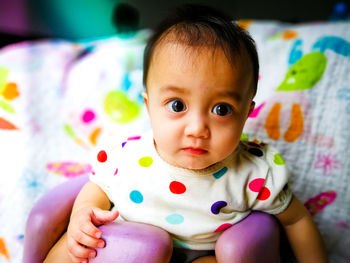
(194, 151)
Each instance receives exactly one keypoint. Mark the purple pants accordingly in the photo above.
(254, 239)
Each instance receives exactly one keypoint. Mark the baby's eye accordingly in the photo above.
(222, 109)
(176, 105)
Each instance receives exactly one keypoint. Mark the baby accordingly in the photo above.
(191, 178)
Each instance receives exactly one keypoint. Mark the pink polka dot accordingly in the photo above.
(256, 185)
(264, 194)
(177, 187)
(116, 171)
(134, 138)
(223, 227)
(102, 156)
(88, 116)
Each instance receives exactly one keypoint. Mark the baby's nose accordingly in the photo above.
(197, 126)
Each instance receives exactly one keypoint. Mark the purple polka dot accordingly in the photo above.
(216, 207)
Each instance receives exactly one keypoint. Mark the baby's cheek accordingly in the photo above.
(163, 137)
(226, 143)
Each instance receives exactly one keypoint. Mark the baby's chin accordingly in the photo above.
(195, 166)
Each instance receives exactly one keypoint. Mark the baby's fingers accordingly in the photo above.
(79, 253)
(91, 230)
(102, 216)
(88, 236)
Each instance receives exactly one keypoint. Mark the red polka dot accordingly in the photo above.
(102, 156)
(223, 227)
(256, 185)
(264, 194)
(177, 187)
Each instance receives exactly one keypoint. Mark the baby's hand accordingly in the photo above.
(82, 233)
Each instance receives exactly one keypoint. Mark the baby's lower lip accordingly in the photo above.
(194, 151)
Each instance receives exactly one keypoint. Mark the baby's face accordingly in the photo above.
(197, 103)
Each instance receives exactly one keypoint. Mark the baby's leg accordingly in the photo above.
(128, 242)
(254, 239)
(59, 252)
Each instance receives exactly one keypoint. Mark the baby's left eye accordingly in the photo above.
(222, 109)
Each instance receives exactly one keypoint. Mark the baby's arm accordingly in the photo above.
(302, 233)
(91, 209)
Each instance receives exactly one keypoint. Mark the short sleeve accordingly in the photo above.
(272, 190)
(103, 168)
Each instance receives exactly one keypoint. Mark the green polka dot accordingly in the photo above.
(245, 137)
(220, 173)
(146, 161)
(278, 160)
(180, 244)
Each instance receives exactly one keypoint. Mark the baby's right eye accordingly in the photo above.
(176, 105)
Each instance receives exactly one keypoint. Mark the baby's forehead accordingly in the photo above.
(207, 53)
(173, 60)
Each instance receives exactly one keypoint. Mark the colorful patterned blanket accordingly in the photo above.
(59, 99)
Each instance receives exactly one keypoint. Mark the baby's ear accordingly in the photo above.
(251, 108)
(145, 98)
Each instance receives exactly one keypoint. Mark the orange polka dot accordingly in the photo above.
(10, 92)
(289, 34)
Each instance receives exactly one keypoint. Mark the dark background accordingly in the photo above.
(81, 19)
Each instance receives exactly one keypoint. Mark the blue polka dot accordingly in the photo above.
(174, 219)
(220, 173)
(136, 197)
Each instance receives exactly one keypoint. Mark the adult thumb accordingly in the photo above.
(102, 216)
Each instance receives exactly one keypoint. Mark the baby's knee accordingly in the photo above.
(255, 239)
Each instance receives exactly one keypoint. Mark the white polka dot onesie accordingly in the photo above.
(194, 206)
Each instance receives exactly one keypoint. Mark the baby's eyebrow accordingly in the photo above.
(175, 89)
(223, 93)
(230, 93)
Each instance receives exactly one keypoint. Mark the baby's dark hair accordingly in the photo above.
(203, 26)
